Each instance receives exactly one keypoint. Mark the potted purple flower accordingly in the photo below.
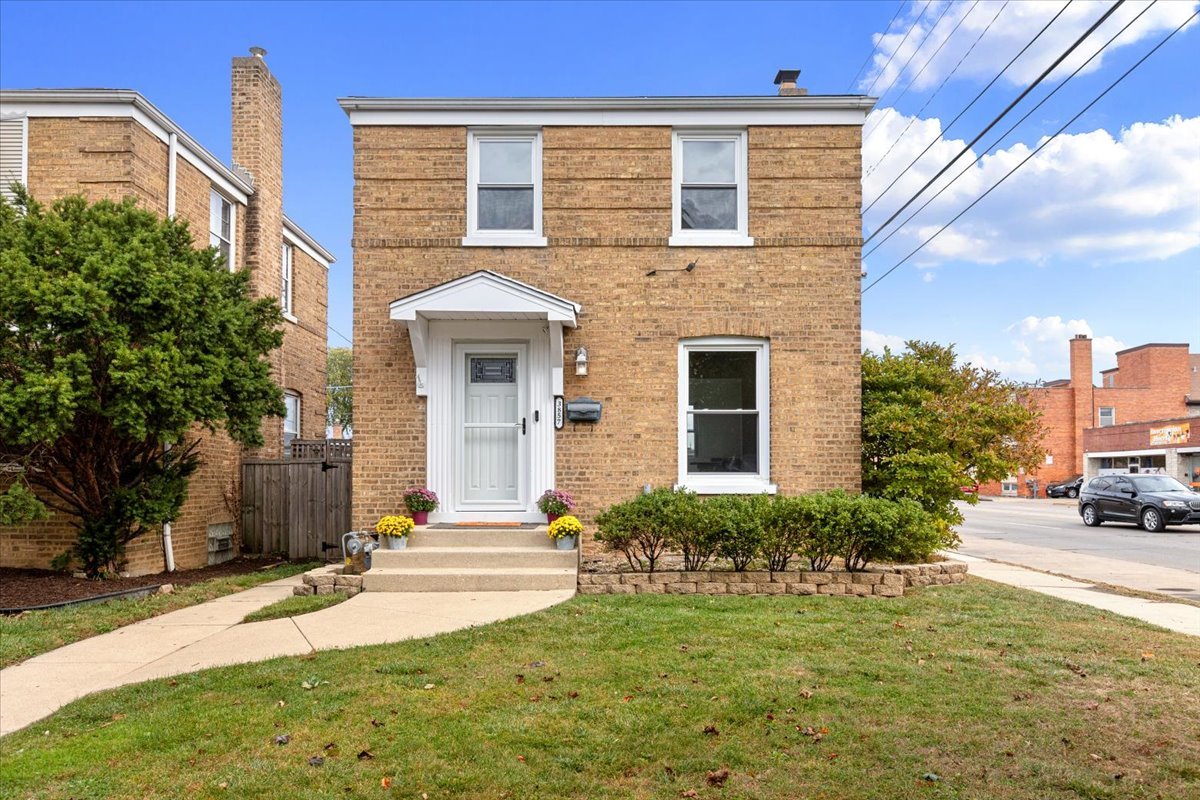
(554, 503)
(420, 502)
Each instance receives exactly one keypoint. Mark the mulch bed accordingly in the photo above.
(20, 588)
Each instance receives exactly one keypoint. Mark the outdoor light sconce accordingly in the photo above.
(581, 361)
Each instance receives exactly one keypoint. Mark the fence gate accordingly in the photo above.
(295, 505)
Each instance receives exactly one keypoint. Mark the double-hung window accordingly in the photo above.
(504, 189)
(291, 421)
(287, 287)
(709, 189)
(221, 226)
(724, 410)
(1108, 416)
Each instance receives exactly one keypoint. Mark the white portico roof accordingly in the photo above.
(485, 295)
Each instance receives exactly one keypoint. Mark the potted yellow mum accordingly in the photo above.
(395, 530)
(565, 531)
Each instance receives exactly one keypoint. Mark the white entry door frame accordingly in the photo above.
(491, 452)
(449, 345)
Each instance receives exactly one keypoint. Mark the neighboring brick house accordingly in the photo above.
(1151, 382)
(115, 144)
(692, 264)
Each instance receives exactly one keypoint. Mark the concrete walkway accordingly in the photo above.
(209, 635)
(1179, 617)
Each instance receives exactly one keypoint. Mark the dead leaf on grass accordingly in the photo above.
(364, 755)
(688, 793)
(717, 777)
(711, 730)
(315, 761)
(386, 782)
(806, 694)
(282, 739)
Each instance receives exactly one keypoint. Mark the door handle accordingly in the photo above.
(522, 426)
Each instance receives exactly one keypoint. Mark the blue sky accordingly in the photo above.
(1099, 233)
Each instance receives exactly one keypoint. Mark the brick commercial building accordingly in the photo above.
(603, 294)
(115, 144)
(1153, 386)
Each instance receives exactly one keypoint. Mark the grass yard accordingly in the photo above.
(295, 606)
(973, 691)
(34, 632)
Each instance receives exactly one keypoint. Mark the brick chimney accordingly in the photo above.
(785, 79)
(258, 150)
(1081, 387)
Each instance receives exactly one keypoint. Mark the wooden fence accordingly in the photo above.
(296, 505)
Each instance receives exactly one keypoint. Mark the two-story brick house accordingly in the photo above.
(116, 144)
(692, 264)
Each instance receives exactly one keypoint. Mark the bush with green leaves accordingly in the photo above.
(739, 522)
(640, 528)
(785, 531)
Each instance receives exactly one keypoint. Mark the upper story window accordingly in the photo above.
(1108, 416)
(709, 189)
(220, 226)
(287, 287)
(504, 189)
(724, 410)
(291, 422)
(14, 155)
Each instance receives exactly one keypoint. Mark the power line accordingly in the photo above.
(975, 99)
(854, 80)
(907, 33)
(339, 333)
(916, 50)
(928, 61)
(996, 119)
(1036, 150)
(1011, 128)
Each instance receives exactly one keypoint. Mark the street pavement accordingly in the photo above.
(1048, 535)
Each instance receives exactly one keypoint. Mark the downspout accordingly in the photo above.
(168, 547)
(172, 148)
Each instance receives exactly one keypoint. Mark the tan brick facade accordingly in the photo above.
(116, 157)
(607, 216)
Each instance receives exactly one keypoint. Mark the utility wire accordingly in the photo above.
(928, 61)
(907, 33)
(995, 120)
(1011, 128)
(854, 80)
(975, 99)
(913, 54)
(1037, 150)
(941, 86)
(339, 333)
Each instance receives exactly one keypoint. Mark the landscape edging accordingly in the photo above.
(882, 581)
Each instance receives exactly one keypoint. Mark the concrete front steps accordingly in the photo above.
(473, 560)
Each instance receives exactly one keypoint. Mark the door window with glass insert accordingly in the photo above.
(709, 187)
(505, 194)
(724, 393)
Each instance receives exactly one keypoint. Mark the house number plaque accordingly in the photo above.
(558, 413)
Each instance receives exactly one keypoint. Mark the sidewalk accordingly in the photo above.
(209, 635)
(1178, 617)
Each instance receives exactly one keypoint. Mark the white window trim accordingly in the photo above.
(729, 483)
(287, 288)
(232, 265)
(689, 238)
(1100, 416)
(486, 238)
(299, 412)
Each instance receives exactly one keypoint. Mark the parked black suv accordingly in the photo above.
(1068, 488)
(1151, 501)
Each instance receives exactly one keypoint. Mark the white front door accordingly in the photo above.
(492, 429)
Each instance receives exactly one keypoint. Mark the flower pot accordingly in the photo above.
(552, 517)
(565, 542)
(420, 517)
(397, 543)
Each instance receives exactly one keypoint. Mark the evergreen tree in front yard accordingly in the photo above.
(118, 337)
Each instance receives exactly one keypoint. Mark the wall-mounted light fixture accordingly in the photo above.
(581, 361)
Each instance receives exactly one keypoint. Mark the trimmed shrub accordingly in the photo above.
(739, 524)
(825, 516)
(889, 530)
(640, 528)
(693, 530)
(785, 529)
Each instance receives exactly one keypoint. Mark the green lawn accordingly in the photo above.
(997, 692)
(295, 605)
(35, 632)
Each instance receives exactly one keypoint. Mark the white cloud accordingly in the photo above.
(1089, 197)
(1017, 24)
(875, 342)
(1039, 348)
